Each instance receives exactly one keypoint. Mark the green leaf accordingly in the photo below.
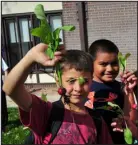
(128, 136)
(59, 73)
(123, 63)
(122, 60)
(49, 52)
(43, 96)
(39, 12)
(127, 55)
(81, 80)
(47, 28)
(56, 33)
(68, 28)
(38, 32)
(42, 33)
(59, 40)
(120, 54)
(115, 106)
(112, 105)
(48, 38)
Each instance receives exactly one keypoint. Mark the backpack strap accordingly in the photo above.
(54, 122)
(97, 121)
(55, 119)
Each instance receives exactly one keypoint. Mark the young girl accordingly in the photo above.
(106, 89)
(78, 126)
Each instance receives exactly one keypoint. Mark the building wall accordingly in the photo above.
(116, 21)
(24, 7)
(72, 39)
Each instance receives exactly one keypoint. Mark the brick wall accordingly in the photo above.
(116, 21)
(72, 39)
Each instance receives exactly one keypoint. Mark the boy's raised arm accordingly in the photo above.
(14, 83)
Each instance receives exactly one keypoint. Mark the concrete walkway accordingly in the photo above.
(52, 96)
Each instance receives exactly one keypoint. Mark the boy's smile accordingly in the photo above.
(106, 67)
(75, 90)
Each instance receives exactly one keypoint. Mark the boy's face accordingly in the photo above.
(106, 67)
(75, 90)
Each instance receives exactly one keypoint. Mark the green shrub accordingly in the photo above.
(14, 133)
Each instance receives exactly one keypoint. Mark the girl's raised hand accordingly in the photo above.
(37, 54)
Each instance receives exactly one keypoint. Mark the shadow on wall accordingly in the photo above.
(136, 87)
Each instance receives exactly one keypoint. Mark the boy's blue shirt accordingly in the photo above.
(103, 93)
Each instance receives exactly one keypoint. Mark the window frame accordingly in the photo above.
(16, 17)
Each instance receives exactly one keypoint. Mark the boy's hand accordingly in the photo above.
(118, 125)
(130, 81)
(37, 54)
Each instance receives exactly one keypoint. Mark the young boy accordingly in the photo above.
(78, 126)
(104, 86)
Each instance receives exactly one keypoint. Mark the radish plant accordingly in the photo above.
(122, 63)
(115, 108)
(49, 37)
(127, 133)
(123, 60)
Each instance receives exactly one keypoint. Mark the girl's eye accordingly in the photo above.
(71, 81)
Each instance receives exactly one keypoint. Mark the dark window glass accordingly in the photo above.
(18, 40)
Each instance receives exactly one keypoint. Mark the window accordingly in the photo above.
(17, 39)
(56, 22)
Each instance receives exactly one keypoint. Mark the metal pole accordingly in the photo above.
(83, 25)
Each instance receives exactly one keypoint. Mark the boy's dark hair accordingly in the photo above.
(103, 45)
(77, 59)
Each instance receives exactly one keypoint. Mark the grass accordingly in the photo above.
(14, 134)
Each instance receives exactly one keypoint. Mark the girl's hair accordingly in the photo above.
(77, 59)
(102, 45)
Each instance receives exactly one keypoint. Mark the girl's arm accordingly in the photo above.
(14, 82)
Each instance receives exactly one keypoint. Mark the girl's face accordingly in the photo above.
(106, 67)
(75, 90)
